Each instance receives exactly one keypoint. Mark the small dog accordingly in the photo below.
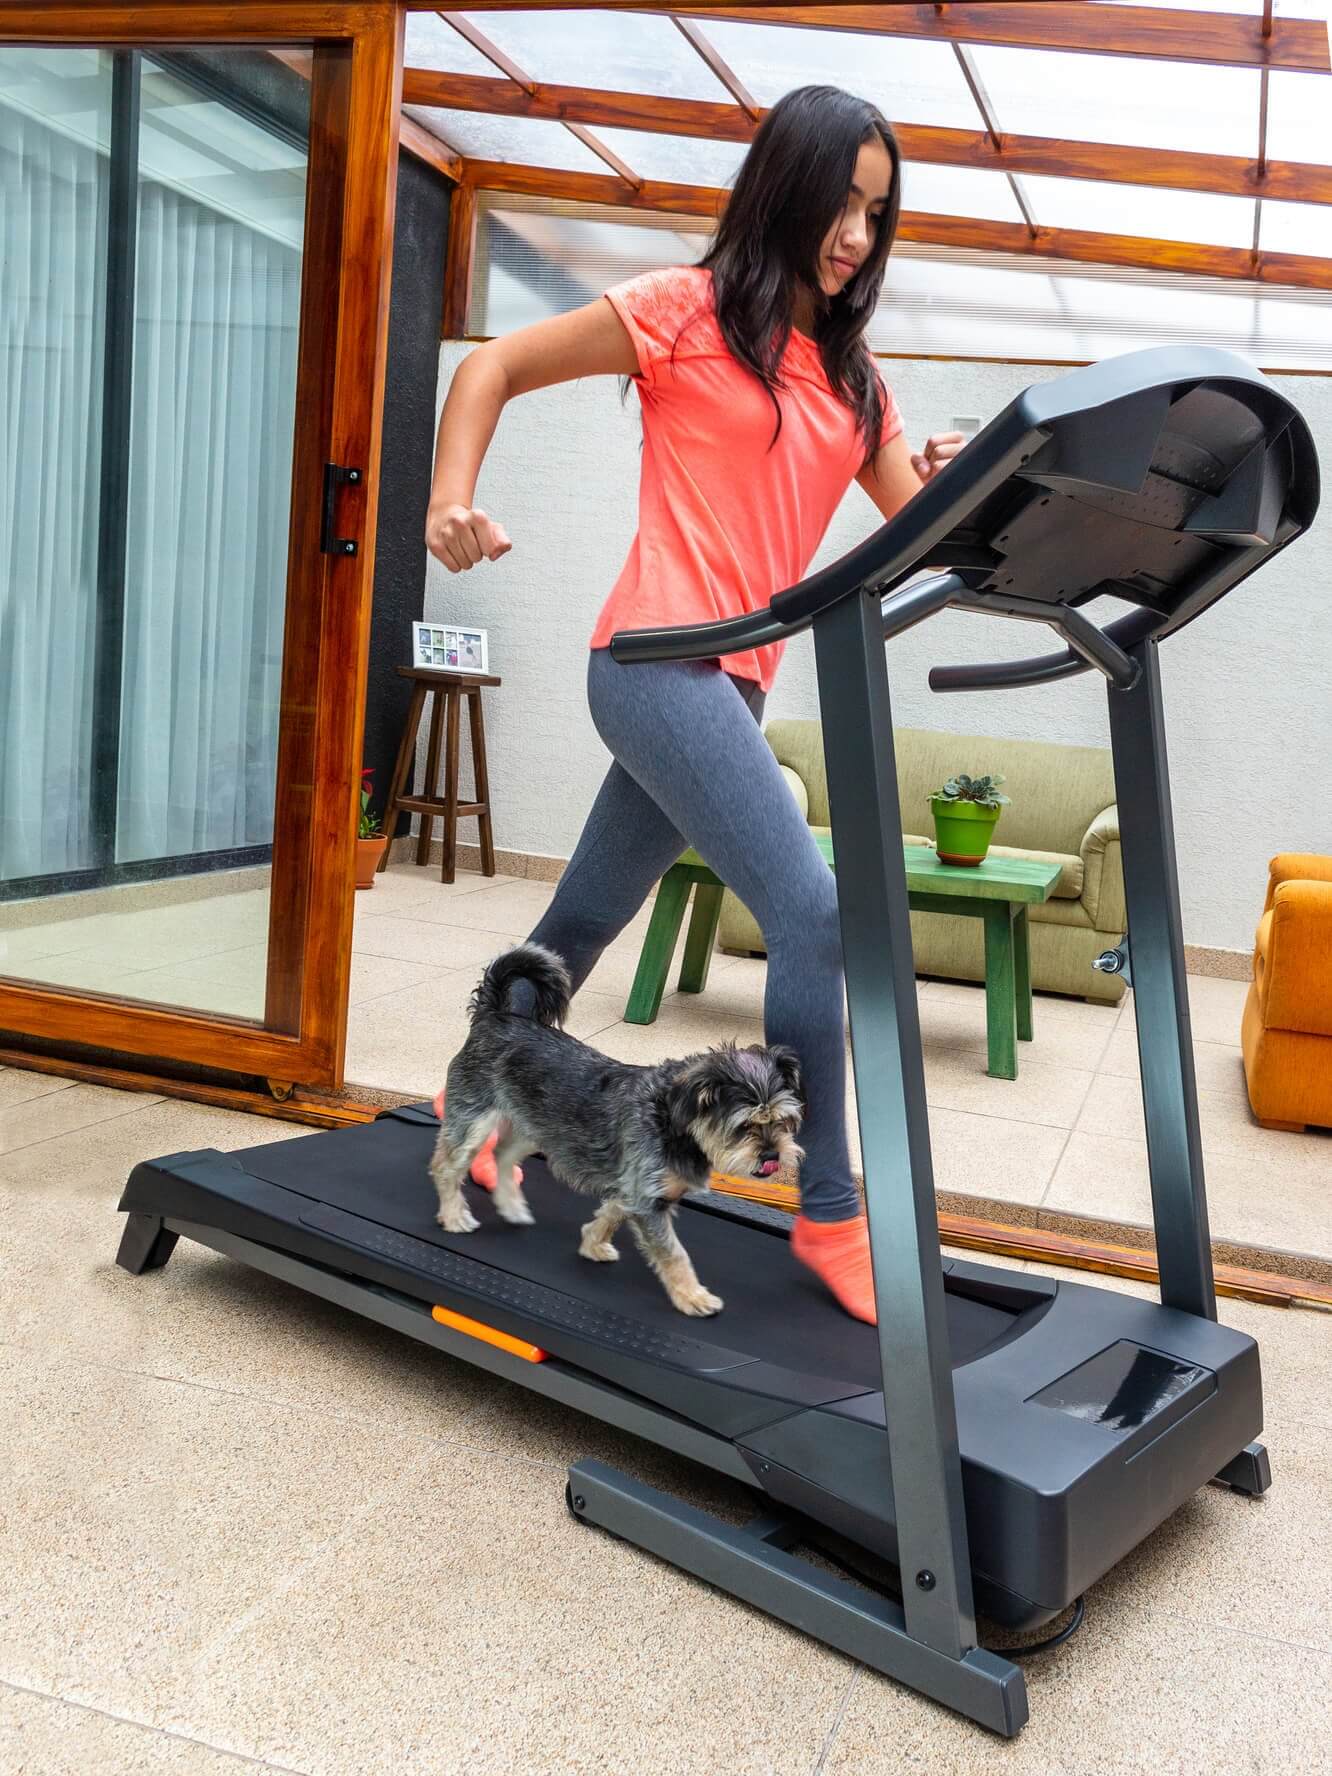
(638, 1137)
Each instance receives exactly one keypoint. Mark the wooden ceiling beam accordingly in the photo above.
(718, 65)
(525, 84)
(963, 232)
(1172, 169)
(1225, 39)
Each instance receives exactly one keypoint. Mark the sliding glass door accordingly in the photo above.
(189, 351)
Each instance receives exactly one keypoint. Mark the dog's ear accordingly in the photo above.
(694, 1096)
(787, 1063)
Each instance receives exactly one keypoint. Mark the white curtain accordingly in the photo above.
(215, 340)
(52, 326)
(216, 323)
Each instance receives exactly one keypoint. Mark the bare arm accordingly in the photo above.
(898, 473)
(591, 341)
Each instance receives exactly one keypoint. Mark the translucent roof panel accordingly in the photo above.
(911, 81)
(433, 44)
(1298, 126)
(685, 160)
(958, 191)
(1143, 210)
(523, 141)
(625, 51)
(1296, 228)
(1141, 103)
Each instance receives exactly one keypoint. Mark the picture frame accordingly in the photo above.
(451, 647)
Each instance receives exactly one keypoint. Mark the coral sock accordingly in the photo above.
(838, 1252)
(484, 1171)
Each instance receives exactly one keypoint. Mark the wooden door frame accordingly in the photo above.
(354, 129)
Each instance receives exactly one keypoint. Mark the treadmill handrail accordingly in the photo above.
(1005, 675)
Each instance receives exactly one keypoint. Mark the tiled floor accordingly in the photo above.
(241, 1527)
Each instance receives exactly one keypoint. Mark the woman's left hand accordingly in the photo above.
(939, 449)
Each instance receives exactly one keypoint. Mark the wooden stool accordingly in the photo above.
(448, 690)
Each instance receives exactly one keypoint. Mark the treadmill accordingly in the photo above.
(1001, 1439)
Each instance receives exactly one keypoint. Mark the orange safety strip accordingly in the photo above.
(759, 1190)
(516, 1347)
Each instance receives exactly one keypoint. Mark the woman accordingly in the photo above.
(760, 404)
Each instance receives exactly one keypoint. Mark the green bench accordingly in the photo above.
(999, 891)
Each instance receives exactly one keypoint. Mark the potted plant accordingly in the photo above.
(370, 836)
(965, 811)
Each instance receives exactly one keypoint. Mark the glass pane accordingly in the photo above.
(151, 241)
(520, 141)
(1296, 228)
(1141, 103)
(958, 191)
(1142, 210)
(1298, 126)
(533, 261)
(685, 160)
(431, 43)
(625, 51)
(911, 81)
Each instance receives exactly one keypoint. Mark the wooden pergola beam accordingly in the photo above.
(1014, 238)
(1232, 40)
(1173, 169)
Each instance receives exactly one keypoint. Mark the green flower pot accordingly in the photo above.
(962, 830)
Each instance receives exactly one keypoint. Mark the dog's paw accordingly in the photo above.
(599, 1251)
(515, 1211)
(458, 1219)
(697, 1301)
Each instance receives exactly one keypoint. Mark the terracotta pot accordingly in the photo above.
(368, 854)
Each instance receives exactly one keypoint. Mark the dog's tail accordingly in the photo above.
(540, 969)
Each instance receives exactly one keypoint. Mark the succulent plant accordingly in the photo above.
(984, 790)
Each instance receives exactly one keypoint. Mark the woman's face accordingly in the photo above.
(850, 240)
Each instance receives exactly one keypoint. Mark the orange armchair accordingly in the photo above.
(1287, 1029)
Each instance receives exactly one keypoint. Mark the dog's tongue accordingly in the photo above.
(768, 1167)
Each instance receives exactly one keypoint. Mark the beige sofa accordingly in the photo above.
(1062, 809)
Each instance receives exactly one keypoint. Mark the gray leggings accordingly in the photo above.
(691, 767)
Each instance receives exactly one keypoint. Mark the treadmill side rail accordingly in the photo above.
(751, 1566)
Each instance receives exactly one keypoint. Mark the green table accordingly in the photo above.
(999, 891)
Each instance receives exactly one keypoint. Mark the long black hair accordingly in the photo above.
(791, 188)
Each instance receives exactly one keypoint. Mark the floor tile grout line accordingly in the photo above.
(150, 1102)
(1214, 1625)
(1054, 1169)
(128, 1720)
(840, 1716)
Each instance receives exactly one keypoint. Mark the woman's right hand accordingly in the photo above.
(460, 536)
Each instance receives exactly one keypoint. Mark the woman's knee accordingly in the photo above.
(809, 926)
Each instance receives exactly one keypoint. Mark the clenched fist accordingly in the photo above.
(460, 536)
(938, 452)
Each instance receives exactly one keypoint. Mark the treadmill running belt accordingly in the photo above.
(774, 1309)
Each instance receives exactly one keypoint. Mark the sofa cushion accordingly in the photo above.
(1071, 871)
(796, 785)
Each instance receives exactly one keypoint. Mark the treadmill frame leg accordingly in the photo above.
(752, 1564)
(146, 1244)
(1250, 1471)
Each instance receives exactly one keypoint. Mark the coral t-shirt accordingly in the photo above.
(723, 521)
